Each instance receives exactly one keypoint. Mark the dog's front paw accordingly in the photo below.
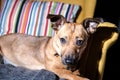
(81, 78)
(76, 72)
(86, 79)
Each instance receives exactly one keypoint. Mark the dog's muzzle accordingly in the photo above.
(69, 60)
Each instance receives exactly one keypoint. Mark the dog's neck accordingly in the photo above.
(48, 47)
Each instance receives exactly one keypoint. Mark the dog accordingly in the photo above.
(59, 54)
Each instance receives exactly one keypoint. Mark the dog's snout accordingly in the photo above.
(69, 60)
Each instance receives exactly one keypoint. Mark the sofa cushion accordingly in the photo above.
(29, 17)
(10, 72)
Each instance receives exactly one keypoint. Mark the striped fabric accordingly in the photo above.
(29, 17)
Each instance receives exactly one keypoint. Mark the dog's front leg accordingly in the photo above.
(76, 72)
(67, 74)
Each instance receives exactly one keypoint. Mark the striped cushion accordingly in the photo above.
(29, 17)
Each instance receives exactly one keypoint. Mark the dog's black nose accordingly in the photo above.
(69, 60)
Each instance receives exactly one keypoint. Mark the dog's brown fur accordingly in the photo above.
(59, 54)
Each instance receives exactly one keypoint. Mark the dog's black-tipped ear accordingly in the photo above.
(57, 20)
(90, 24)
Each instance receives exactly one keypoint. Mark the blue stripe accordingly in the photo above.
(39, 20)
(41, 17)
(4, 16)
(29, 20)
(3, 11)
(32, 19)
(39, 6)
(1, 17)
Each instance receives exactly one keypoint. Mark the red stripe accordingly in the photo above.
(46, 27)
(10, 19)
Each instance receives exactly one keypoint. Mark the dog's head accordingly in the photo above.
(70, 39)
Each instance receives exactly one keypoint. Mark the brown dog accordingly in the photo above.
(59, 54)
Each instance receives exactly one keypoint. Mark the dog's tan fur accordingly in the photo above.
(59, 54)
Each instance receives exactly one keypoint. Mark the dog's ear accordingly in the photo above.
(57, 20)
(90, 24)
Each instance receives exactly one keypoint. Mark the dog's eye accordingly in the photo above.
(79, 42)
(62, 40)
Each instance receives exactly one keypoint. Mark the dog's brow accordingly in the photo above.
(73, 27)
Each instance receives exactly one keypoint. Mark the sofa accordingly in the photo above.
(29, 17)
